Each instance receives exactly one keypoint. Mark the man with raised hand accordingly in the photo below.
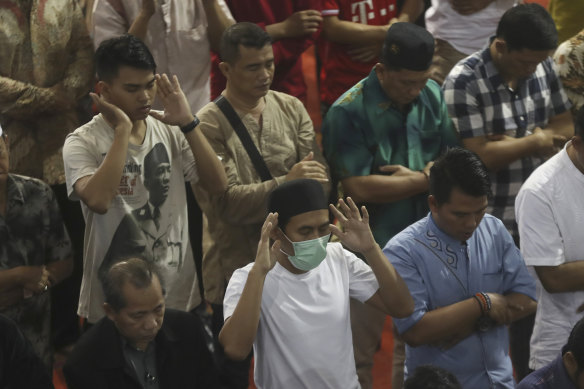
(105, 160)
(292, 303)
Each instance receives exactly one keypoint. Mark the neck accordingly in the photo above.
(247, 105)
(573, 155)
(138, 132)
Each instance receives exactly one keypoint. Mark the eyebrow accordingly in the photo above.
(139, 85)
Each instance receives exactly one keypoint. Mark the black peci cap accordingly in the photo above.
(408, 46)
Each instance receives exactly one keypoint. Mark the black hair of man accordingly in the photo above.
(137, 271)
(528, 26)
(459, 168)
(246, 34)
(125, 50)
(579, 123)
(431, 377)
(575, 344)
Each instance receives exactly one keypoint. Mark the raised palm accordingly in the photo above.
(356, 233)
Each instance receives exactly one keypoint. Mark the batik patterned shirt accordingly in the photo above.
(32, 233)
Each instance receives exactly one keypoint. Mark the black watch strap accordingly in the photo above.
(191, 126)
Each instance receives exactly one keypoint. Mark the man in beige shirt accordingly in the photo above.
(282, 132)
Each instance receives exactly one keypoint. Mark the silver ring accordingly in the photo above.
(46, 287)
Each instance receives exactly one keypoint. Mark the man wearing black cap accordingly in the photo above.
(380, 138)
(292, 303)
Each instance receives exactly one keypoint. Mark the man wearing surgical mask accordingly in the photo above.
(292, 303)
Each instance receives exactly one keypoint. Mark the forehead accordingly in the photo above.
(410, 75)
(460, 201)
(131, 75)
(526, 55)
(142, 299)
(309, 219)
(249, 55)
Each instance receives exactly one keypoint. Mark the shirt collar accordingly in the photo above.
(443, 236)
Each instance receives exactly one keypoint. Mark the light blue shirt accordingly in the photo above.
(440, 271)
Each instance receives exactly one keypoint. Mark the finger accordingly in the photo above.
(308, 157)
(344, 208)
(96, 98)
(353, 207)
(175, 83)
(337, 213)
(365, 214)
(389, 168)
(156, 114)
(336, 231)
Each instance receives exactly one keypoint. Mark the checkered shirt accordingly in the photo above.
(480, 104)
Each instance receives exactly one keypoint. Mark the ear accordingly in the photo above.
(500, 46)
(570, 363)
(110, 312)
(380, 71)
(103, 88)
(225, 68)
(432, 203)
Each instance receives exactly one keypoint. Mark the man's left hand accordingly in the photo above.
(177, 111)
(357, 234)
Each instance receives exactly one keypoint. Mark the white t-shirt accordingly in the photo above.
(130, 226)
(304, 334)
(550, 211)
(466, 33)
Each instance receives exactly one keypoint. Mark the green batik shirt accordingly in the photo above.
(363, 130)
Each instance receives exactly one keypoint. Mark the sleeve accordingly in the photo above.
(362, 281)
(21, 367)
(400, 256)
(58, 243)
(108, 22)
(234, 290)
(330, 8)
(446, 128)
(541, 242)
(461, 97)
(559, 99)
(516, 278)
(344, 145)
(79, 162)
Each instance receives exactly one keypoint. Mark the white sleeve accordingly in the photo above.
(79, 161)
(234, 290)
(539, 234)
(362, 281)
(107, 22)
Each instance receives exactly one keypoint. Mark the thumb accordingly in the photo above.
(157, 114)
(389, 168)
(309, 157)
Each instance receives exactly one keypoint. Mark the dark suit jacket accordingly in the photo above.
(183, 360)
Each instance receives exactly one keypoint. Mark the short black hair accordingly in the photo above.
(528, 26)
(125, 50)
(459, 168)
(136, 271)
(579, 123)
(432, 377)
(575, 343)
(245, 34)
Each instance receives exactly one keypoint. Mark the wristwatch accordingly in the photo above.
(191, 126)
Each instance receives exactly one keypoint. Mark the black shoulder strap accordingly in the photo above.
(241, 131)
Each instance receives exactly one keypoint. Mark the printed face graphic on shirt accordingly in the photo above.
(157, 171)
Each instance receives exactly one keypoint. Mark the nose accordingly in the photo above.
(471, 222)
(150, 323)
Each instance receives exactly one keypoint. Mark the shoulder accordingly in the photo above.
(466, 71)
(285, 103)
(93, 343)
(88, 134)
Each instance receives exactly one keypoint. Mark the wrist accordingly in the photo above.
(189, 125)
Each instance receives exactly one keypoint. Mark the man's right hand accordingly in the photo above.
(502, 311)
(308, 168)
(149, 7)
(266, 257)
(298, 24)
(114, 116)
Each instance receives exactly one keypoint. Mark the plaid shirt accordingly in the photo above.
(481, 104)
